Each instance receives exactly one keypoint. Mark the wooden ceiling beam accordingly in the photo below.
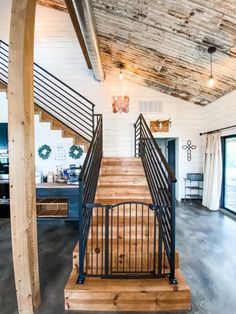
(75, 22)
(21, 155)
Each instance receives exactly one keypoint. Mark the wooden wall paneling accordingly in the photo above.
(21, 156)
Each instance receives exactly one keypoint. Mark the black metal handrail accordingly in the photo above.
(56, 98)
(161, 181)
(87, 189)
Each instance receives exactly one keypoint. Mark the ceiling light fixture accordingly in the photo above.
(121, 66)
(211, 81)
(121, 76)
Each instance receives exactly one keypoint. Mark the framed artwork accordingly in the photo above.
(120, 104)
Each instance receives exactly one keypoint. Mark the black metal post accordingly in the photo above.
(81, 276)
(172, 252)
(135, 153)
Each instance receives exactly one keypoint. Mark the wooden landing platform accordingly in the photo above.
(136, 295)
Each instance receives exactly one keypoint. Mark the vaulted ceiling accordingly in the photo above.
(163, 44)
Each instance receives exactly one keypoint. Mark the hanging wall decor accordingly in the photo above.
(160, 125)
(189, 148)
(75, 151)
(44, 151)
(120, 104)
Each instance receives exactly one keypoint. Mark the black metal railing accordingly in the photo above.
(87, 189)
(161, 181)
(56, 98)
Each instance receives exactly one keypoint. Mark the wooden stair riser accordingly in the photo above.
(122, 191)
(120, 180)
(131, 162)
(127, 295)
(117, 200)
(116, 170)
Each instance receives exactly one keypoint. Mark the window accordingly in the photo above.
(229, 173)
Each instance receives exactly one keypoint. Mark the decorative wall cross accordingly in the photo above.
(189, 148)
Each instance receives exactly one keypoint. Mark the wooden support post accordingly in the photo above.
(21, 155)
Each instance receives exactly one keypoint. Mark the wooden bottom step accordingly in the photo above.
(136, 295)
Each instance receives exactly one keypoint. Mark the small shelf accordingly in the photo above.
(52, 208)
(193, 186)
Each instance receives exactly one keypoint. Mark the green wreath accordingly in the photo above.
(44, 151)
(75, 152)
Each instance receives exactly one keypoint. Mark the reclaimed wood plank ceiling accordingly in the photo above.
(162, 44)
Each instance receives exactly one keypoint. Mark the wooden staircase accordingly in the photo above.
(123, 180)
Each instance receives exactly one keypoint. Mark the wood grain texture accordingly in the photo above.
(3, 87)
(21, 156)
(163, 44)
(127, 295)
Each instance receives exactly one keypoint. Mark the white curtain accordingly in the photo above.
(212, 172)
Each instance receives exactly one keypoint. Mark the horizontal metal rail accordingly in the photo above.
(56, 98)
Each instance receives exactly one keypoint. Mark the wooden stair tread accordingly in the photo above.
(146, 284)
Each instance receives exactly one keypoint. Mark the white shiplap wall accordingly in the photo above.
(221, 113)
(57, 49)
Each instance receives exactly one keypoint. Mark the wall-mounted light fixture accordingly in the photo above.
(211, 81)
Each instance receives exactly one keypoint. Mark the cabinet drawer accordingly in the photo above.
(64, 192)
(41, 193)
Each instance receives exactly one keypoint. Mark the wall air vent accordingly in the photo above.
(150, 107)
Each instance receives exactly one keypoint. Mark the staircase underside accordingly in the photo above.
(57, 125)
(123, 180)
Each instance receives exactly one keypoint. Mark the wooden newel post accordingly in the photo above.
(21, 155)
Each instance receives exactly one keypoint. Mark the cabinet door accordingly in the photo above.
(3, 136)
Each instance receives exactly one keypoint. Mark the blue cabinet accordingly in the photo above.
(3, 136)
(67, 192)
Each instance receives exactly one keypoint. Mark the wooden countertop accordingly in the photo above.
(56, 185)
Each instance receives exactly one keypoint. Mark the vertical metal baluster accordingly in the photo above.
(117, 235)
(148, 268)
(102, 244)
(160, 240)
(107, 208)
(92, 239)
(124, 258)
(97, 246)
(111, 270)
(142, 243)
(136, 237)
(155, 241)
(130, 244)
